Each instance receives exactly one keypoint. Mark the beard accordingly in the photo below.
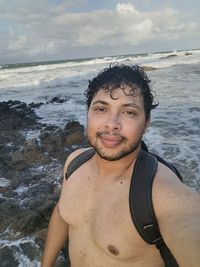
(105, 154)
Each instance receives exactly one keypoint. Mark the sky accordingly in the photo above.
(45, 30)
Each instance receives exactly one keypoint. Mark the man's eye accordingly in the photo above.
(129, 113)
(99, 109)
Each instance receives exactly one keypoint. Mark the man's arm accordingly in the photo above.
(56, 237)
(58, 229)
(177, 207)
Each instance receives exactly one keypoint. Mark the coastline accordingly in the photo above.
(38, 132)
(30, 179)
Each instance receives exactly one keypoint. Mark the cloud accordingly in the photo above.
(38, 28)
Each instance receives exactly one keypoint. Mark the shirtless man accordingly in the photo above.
(93, 210)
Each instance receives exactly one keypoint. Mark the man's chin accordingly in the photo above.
(114, 156)
(113, 153)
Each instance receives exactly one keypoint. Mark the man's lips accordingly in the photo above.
(110, 141)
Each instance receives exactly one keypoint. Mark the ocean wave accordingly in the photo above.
(61, 75)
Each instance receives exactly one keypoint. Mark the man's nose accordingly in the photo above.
(113, 123)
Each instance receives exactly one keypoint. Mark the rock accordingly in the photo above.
(9, 210)
(29, 154)
(4, 182)
(38, 197)
(8, 192)
(58, 99)
(149, 68)
(30, 250)
(15, 115)
(33, 105)
(169, 56)
(41, 236)
(62, 262)
(7, 258)
(54, 140)
(188, 54)
(28, 221)
(74, 134)
(30, 173)
(30, 210)
(9, 120)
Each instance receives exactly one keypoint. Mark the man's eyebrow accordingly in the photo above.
(131, 105)
(100, 102)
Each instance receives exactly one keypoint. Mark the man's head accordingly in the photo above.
(121, 76)
(119, 103)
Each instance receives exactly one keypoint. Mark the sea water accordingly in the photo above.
(175, 124)
(174, 132)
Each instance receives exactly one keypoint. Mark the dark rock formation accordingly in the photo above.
(57, 99)
(30, 174)
(149, 68)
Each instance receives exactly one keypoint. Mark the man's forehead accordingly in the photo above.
(126, 98)
(120, 91)
(123, 86)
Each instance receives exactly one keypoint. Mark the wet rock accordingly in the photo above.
(30, 153)
(149, 68)
(41, 236)
(38, 197)
(58, 99)
(30, 250)
(4, 182)
(9, 209)
(30, 173)
(7, 257)
(33, 105)
(28, 221)
(54, 140)
(188, 54)
(74, 134)
(15, 115)
(169, 56)
(30, 210)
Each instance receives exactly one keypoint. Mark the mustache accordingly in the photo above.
(105, 133)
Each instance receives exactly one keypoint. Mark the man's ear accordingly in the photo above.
(147, 124)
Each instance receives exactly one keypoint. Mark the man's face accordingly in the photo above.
(115, 126)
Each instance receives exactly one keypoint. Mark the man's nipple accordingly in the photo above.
(113, 250)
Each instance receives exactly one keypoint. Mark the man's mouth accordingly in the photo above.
(110, 140)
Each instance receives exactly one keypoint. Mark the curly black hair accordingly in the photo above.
(121, 76)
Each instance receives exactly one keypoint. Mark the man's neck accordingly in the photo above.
(116, 168)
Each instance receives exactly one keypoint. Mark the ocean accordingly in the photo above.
(175, 124)
(174, 132)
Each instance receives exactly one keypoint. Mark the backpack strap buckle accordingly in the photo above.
(152, 233)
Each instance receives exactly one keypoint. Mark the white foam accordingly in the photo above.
(60, 114)
(4, 182)
(17, 242)
(29, 83)
(21, 189)
(24, 261)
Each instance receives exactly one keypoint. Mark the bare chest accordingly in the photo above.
(101, 214)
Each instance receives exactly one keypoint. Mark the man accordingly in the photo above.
(93, 210)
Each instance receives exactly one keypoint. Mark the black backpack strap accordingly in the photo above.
(78, 161)
(169, 165)
(140, 199)
(141, 206)
(166, 255)
(85, 156)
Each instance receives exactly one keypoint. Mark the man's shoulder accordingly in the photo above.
(73, 155)
(171, 197)
(166, 183)
(175, 208)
